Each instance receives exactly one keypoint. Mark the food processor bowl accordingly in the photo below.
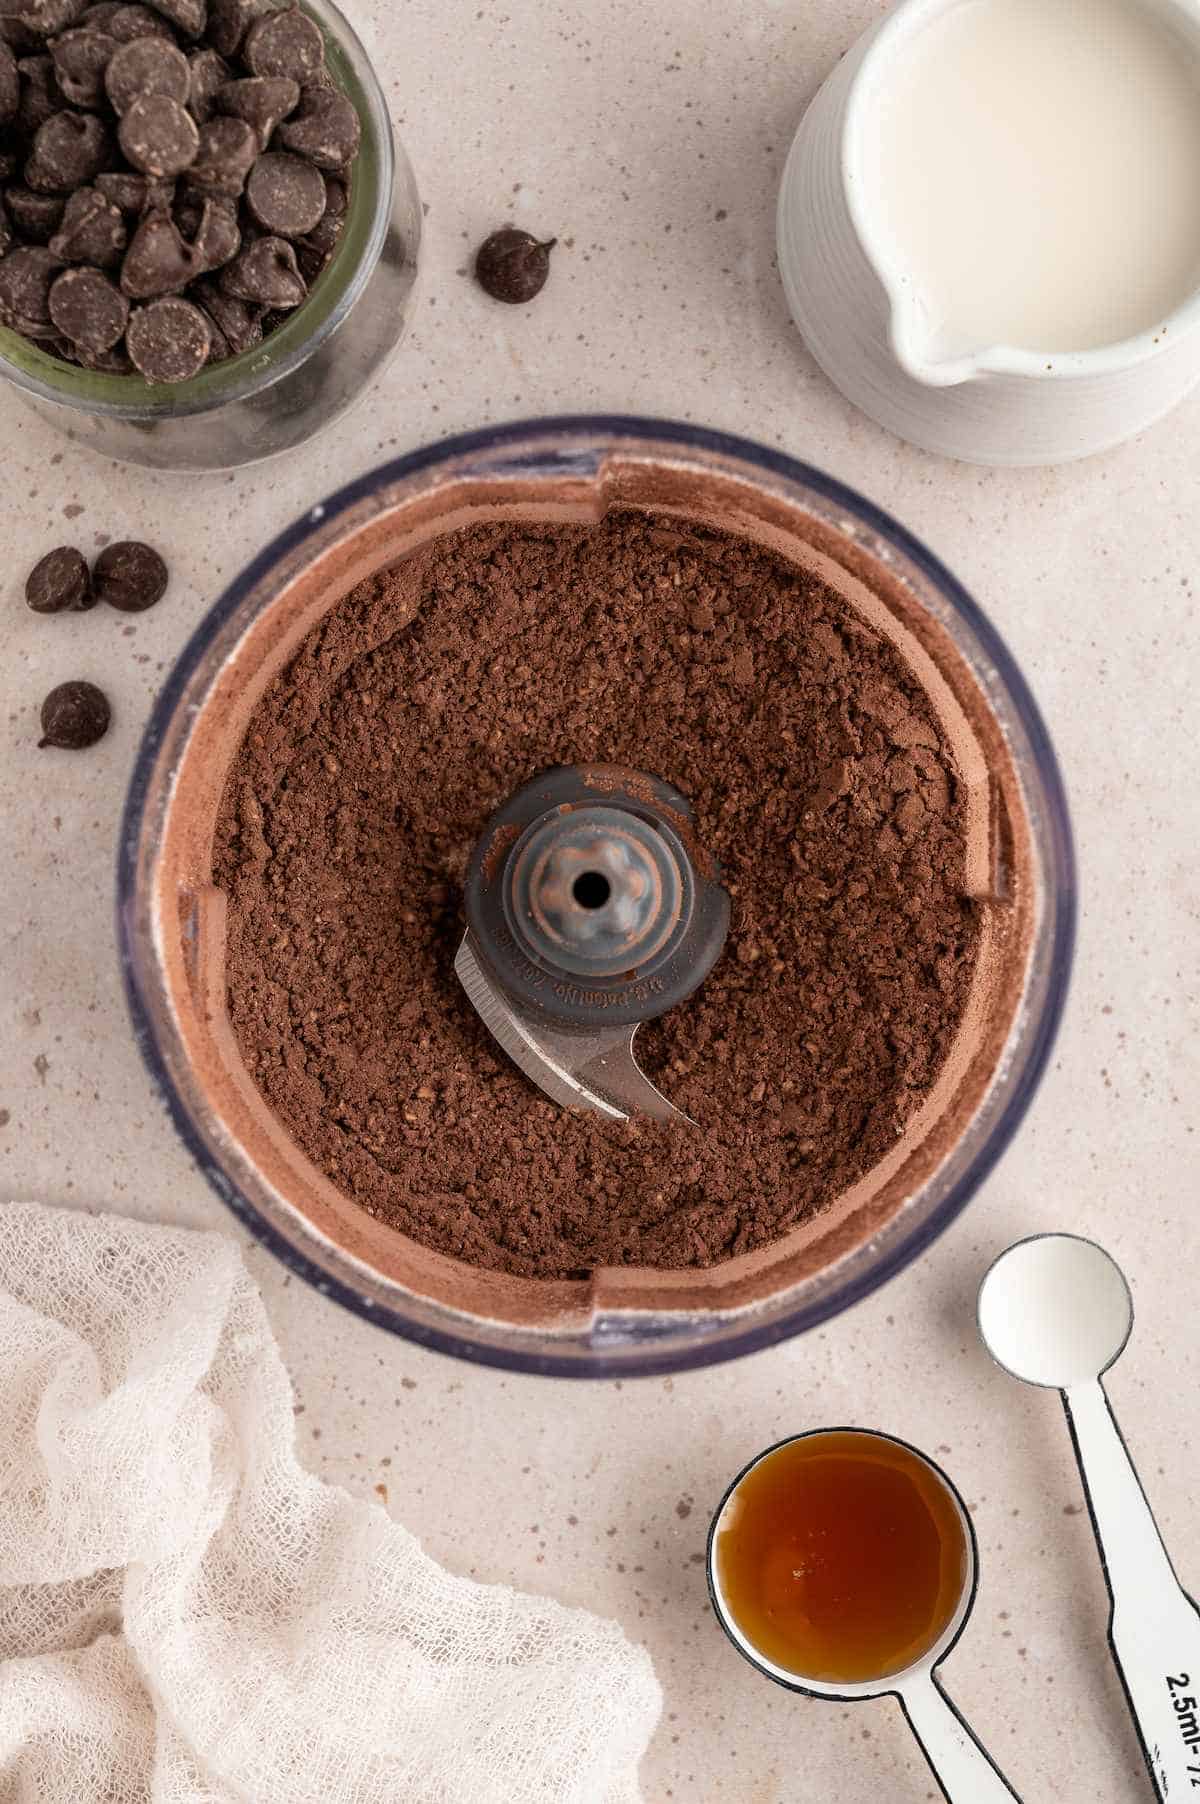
(627, 1321)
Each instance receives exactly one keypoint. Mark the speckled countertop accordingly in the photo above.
(651, 140)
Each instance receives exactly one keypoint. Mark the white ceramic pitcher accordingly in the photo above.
(1001, 405)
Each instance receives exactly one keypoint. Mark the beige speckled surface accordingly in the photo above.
(650, 140)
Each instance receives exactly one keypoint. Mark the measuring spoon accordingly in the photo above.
(1056, 1311)
(963, 1770)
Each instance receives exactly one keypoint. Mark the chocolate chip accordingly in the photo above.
(229, 21)
(25, 278)
(36, 216)
(80, 58)
(10, 83)
(146, 66)
(159, 135)
(91, 230)
(325, 234)
(285, 43)
(285, 195)
(68, 150)
(88, 310)
(169, 340)
(74, 716)
(212, 229)
(265, 272)
(239, 323)
(98, 17)
(40, 95)
(315, 251)
(129, 575)
(110, 363)
(512, 265)
(228, 149)
(122, 188)
(129, 22)
(18, 36)
(158, 261)
(262, 101)
(188, 16)
(59, 583)
(326, 129)
(45, 17)
(207, 73)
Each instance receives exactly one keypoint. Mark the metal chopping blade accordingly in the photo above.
(580, 1069)
(590, 909)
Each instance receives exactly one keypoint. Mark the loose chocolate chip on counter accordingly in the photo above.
(228, 149)
(25, 278)
(159, 136)
(208, 72)
(169, 341)
(285, 194)
(267, 273)
(92, 230)
(74, 716)
(263, 101)
(326, 129)
(10, 83)
(158, 261)
(88, 310)
(285, 43)
(229, 21)
(512, 265)
(146, 66)
(80, 58)
(129, 575)
(238, 322)
(68, 150)
(59, 583)
(36, 216)
(129, 22)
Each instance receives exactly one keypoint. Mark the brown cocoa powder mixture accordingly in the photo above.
(820, 778)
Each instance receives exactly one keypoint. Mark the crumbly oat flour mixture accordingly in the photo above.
(820, 778)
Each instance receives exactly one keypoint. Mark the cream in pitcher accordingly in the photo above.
(1035, 174)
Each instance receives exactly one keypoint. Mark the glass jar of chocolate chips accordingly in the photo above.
(208, 235)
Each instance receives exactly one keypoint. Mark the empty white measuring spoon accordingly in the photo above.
(1056, 1311)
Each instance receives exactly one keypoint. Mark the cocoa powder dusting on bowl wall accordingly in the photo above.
(820, 778)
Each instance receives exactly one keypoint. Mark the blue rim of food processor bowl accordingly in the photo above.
(644, 1359)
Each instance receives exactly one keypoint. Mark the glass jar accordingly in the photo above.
(276, 395)
(171, 915)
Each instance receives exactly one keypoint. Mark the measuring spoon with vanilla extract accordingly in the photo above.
(842, 1564)
(1056, 1311)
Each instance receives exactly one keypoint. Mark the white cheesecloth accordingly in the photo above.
(187, 1617)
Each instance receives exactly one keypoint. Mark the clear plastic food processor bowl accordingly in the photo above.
(627, 1321)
